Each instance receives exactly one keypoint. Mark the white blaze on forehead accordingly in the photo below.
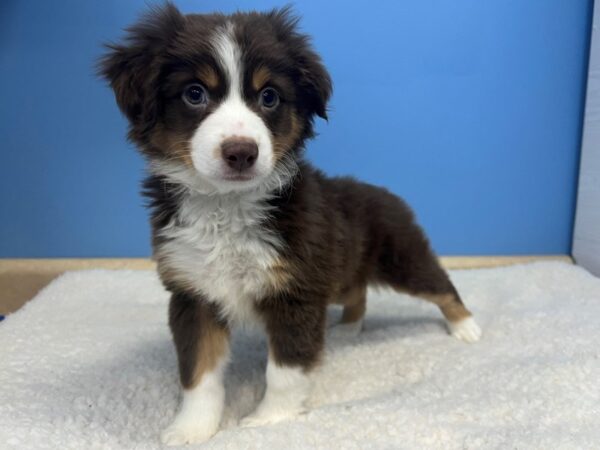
(229, 56)
(232, 118)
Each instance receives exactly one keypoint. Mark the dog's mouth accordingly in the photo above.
(238, 177)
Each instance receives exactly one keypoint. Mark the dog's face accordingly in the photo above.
(229, 99)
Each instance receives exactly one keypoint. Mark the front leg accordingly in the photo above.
(202, 343)
(296, 328)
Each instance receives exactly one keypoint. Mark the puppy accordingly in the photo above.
(245, 231)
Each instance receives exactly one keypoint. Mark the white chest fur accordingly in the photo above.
(220, 247)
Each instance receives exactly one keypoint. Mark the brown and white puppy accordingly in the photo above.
(244, 230)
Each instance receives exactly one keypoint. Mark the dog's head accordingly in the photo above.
(222, 102)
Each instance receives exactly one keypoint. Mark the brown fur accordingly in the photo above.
(282, 275)
(260, 77)
(355, 304)
(209, 77)
(450, 304)
(296, 327)
(283, 142)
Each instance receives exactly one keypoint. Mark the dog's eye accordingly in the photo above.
(195, 95)
(269, 98)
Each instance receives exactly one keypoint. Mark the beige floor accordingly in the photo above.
(21, 279)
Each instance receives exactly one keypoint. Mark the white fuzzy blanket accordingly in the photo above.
(89, 364)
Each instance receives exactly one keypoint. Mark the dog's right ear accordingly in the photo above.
(133, 68)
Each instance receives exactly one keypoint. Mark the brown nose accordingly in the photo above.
(239, 153)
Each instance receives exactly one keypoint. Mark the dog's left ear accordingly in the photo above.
(316, 82)
(313, 79)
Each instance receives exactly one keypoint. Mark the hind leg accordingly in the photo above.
(458, 318)
(355, 305)
(415, 270)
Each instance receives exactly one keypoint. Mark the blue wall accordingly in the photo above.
(469, 109)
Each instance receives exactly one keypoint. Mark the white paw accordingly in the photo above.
(342, 331)
(466, 330)
(186, 433)
(266, 415)
(287, 389)
(200, 411)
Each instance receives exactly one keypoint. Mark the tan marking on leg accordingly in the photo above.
(281, 273)
(355, 301)
(201, 337)
(260, 77)
(215, 344)
(452, 308)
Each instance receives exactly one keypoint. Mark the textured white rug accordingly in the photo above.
(89, 364)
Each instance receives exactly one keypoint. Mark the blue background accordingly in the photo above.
(470, 109)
